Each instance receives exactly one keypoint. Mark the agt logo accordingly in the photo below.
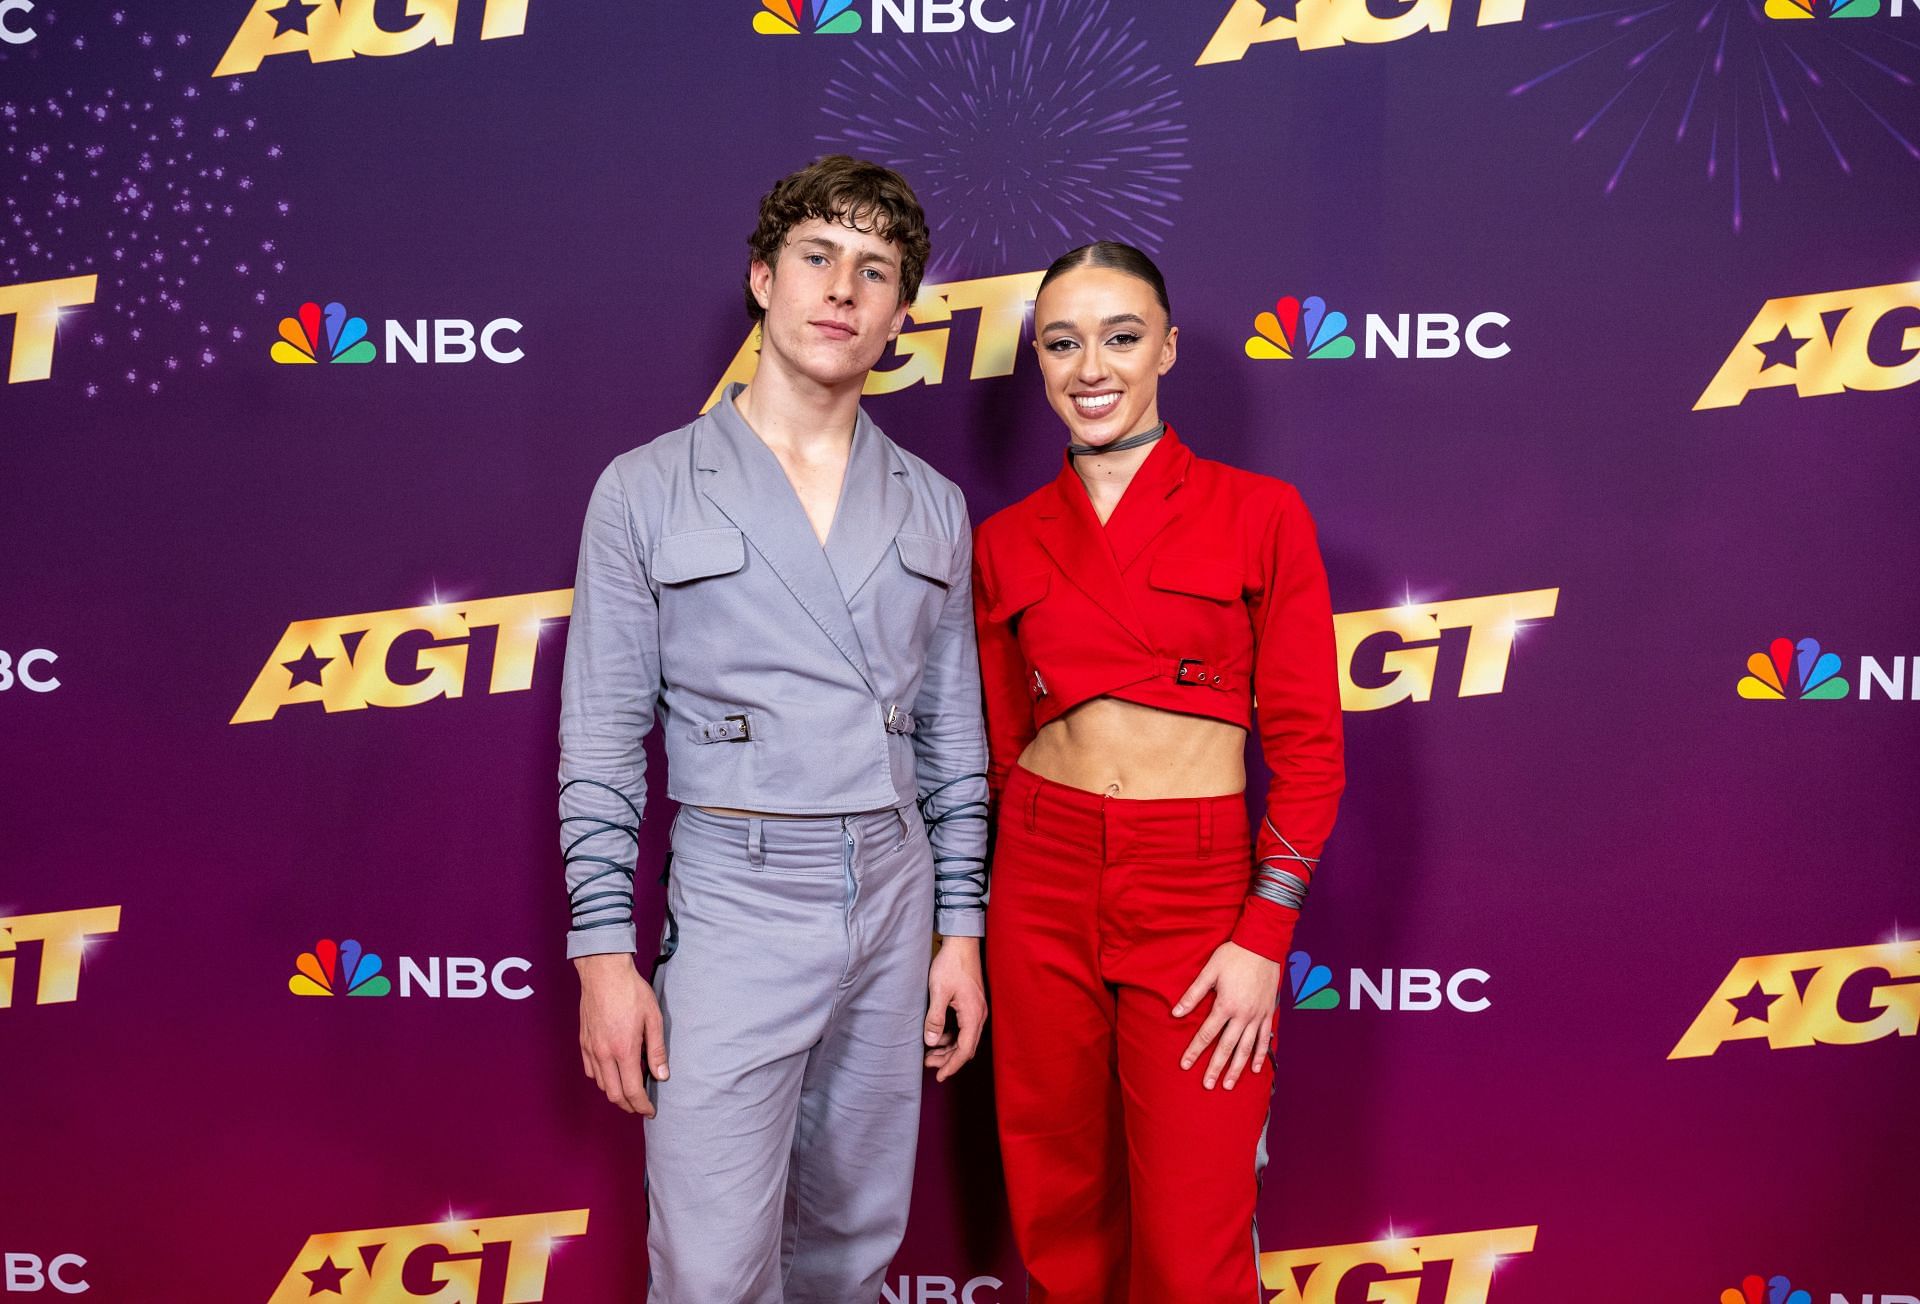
(838, 17)
(1779, 1290)
(921, 355)
(15, 35)
(1321, 24)
(27, 671)
(459, 1261)
(1825, 344)
(64, 937)
(35, 307)
(28, 1274)
(349, 969)
(1305, 329)
(346, 663)
(1417, 989)
(330, 335)
(1470, 1259)
(327, 30)
(1409, 643)
(1843, 997)
(1802, 672)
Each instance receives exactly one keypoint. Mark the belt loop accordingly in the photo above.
(756, 854)
(1033, 808)
(1206, 828)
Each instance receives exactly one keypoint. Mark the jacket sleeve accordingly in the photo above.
(607, 698)
(950, 756)
(1003, 676)
(1297, 713)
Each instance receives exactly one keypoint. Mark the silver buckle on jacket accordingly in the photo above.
(898, 721)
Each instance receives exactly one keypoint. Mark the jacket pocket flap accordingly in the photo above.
(698, 554)
(1022, 592)
(925, 556)
(1199, 577)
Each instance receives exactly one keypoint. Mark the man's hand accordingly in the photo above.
(620, 1030)
(954, 983)
(1244, 987)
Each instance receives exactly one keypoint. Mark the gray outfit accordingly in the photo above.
(841, 683)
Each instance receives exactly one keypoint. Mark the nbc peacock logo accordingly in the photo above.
(1765, 1290)
(1824, 8)
(1297, 329)
(1793, 670)
(342, 969)
(789, 17)
(1312, 983)
(345, 338)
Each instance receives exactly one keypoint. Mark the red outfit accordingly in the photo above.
(1203, 594)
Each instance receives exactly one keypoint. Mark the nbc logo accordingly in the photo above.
(330, 335)
(784, 17)
(299, 340)
(1413, 989)
(1813, 674)
(1829, 8)
(1295, 329)
(335, 970)
(349, 969)
(838, 17)
(1312, 983)
(1755, 1290)
(1789, 670)
(8, 32)
(1306, 328)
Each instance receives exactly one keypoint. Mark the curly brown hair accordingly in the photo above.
(855, 193)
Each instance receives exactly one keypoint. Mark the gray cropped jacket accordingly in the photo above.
(785, 677)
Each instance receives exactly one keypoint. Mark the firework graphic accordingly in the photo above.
(1747, 95)
(1025, 144)
(161, 188)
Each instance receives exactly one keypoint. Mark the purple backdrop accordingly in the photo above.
(1574, 853)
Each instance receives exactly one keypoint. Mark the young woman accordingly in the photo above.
(1136, 616)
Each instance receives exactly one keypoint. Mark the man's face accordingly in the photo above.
(832, 302)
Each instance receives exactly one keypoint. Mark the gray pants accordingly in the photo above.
(780, 1162)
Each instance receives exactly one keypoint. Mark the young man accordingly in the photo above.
(789, 594)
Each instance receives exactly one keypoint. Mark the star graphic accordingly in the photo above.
(291, 17)
(307, 669)
(1780, 350)
(1751, 1006)
(327, 1277)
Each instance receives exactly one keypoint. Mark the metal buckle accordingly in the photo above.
(1180, 672)
(745, 733)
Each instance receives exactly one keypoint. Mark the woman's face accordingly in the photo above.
(1103, 342)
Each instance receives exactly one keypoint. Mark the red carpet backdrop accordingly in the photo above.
(1590, 332)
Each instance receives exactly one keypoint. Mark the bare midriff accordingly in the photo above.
(1139, 752)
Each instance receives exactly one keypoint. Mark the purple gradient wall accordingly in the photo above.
(1580, 828)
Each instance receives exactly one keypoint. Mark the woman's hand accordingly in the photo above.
(1244, 987)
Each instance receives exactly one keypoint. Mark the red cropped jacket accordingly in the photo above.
(1204, 593)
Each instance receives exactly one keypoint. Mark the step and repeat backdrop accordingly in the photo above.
(1590, 332)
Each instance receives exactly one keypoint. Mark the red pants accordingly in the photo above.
(1127, 1180)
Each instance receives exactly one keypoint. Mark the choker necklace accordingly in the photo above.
(1120, 446)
